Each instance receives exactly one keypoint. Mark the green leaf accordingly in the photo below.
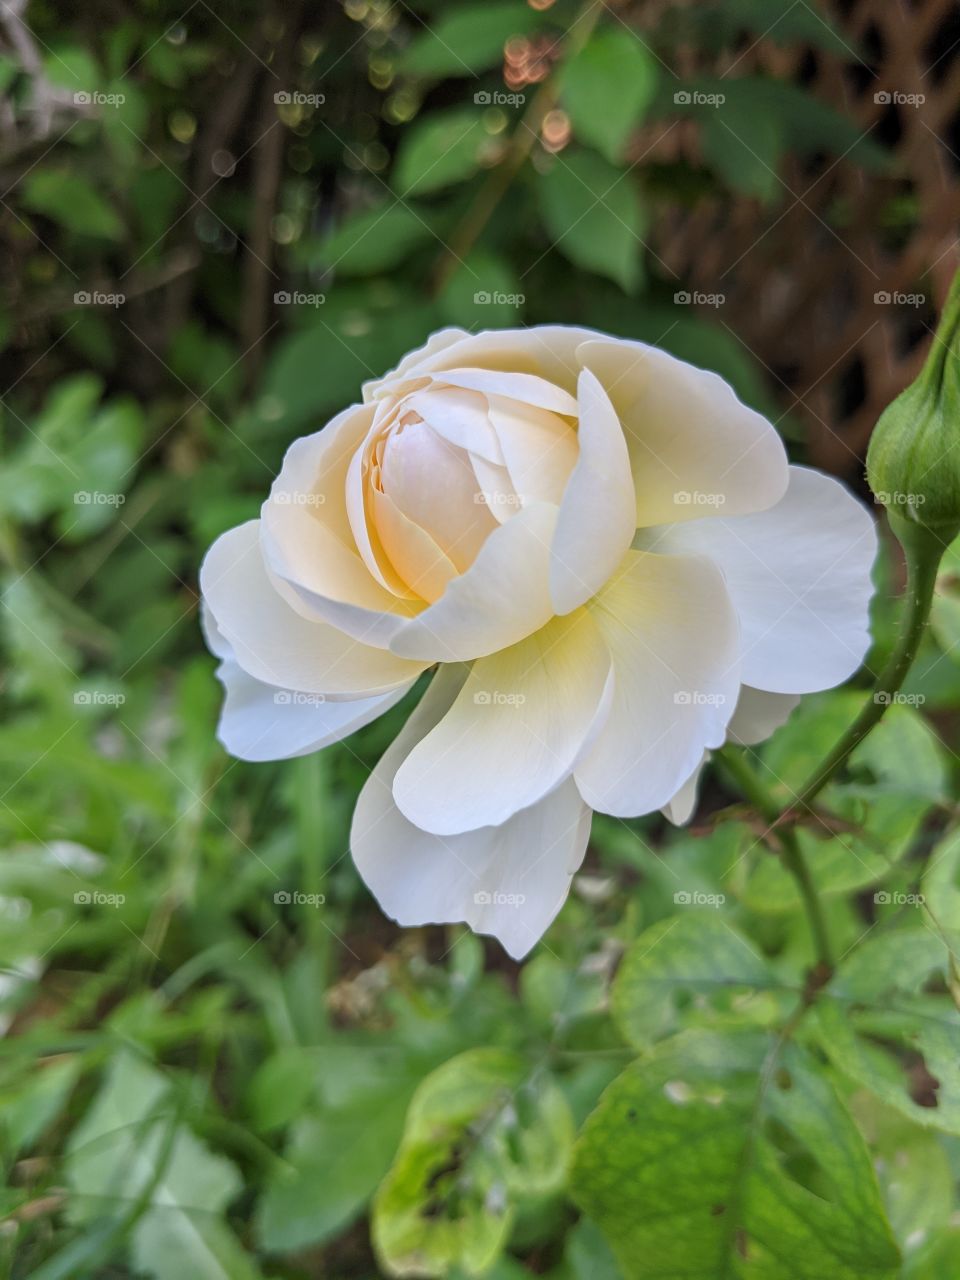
(744, 146)
(940, 884)
(28, 1110)
(587, 1254)
(172, 1244)
(807, 125)
(879, 1028)
(461, 42)
(607, 87)
(693, 957)
(479, 1133)
(483, 293)
(913, 1168)
(444, 148)
(371, 241)
(316, 370)
(719, 1156)
(66, 197)
(937, 1258)
(869, 821)
(714, 26)
(77, 459)
(130, 1145)
(333, 1165)
(336, 1156)
(593, 214)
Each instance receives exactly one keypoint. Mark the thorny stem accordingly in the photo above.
(923, 551)
(792, 854)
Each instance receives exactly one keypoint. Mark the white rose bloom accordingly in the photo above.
(611, 561)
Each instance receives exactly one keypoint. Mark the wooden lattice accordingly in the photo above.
(800, 283)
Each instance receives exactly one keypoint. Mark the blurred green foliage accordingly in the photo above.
(217, 224)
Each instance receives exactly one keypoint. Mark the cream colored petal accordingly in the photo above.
(433, 484)
(539, 449)
(546, 351)
(308, 542)
(275, 644)
(508, 881)
(513, 733)
(694, 448)
(413, 553)
(597, 514)
(431, 349)
(799, 577)
(459, 416)
(496, 489)
(260, 722)
(759, 714)
(680, 809)
(501, 598)
(673, 637)
(526, 388)
(365, 532)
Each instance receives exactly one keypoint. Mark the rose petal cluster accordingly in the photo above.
(604, 559)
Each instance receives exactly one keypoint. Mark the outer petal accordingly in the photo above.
(501, 598)
(759, 714)
(434, 345)
(597, 513)
(276, 644)
(508, 881)
(681, 807)
(672, 633)
(694, 448)
(513, 733)
(548, 351)
(799, 576)
(260, 722)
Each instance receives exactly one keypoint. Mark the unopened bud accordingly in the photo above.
(913, 463)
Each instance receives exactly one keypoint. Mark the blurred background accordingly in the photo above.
(216, 223)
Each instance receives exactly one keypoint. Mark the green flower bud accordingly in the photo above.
(913, 463)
